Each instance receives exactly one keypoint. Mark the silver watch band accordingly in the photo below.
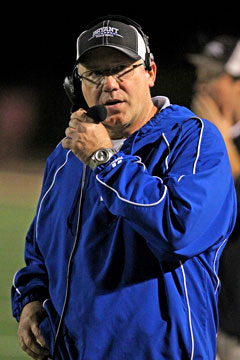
(101, 156)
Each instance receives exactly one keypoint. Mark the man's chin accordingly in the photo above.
(116, 127)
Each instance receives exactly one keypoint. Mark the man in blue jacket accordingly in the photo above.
(135, 210)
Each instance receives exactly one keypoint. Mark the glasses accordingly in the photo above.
(120, 73)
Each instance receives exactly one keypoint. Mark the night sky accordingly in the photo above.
(38, 49)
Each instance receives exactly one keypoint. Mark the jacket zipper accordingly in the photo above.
(70, 260)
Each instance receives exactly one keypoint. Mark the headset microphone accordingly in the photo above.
(98, 113)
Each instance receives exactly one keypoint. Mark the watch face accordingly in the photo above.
(101, 155)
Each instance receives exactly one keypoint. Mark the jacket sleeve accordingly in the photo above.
(31, 282)
(184, 210)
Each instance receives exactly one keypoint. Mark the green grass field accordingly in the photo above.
(19, 193)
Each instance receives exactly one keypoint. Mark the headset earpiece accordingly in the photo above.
(148, 59)
(73, 89)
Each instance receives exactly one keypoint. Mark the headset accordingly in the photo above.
(72, 85)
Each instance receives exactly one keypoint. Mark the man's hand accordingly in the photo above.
(31, 341)
(84, 137)
(206, 107)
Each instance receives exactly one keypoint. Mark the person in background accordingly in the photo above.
(122, 256)
(217, 98)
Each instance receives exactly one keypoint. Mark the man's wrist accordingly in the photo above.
(101, 156)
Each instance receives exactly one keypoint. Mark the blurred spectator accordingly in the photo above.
(18, 117)
(217, 98)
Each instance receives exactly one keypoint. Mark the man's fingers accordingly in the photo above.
(29, 344)
(28, 332)
(66, 143)
(27, 350)
(71, 133)
(39, 338)
(80, 116)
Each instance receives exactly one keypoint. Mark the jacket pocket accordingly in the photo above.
(49, 325)
(65, 347)
(46, 332)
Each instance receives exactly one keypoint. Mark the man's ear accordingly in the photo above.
(152, 74)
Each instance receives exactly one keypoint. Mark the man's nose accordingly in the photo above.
(110, 83)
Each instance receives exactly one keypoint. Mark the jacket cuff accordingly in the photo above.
(40, 294)
(118, 156)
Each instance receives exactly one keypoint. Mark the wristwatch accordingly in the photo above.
(101, 156)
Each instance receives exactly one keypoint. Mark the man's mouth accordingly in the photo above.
(113, 102)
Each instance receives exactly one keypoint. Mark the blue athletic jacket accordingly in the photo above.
(125, 258)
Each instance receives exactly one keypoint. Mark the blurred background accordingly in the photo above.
(37, 52)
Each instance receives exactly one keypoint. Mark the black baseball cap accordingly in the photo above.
(221, 54)
(115, 33)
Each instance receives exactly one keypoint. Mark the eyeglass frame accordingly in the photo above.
(116, 76)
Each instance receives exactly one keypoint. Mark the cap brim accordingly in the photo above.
(199, 60)
(128, 52)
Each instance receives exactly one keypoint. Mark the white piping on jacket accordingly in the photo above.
(214, 265)
(70, 261)
(17, 290)
(199, 144)
(132, 202)
(182, 268)
(40, 206)
(198, 149)
(189, 309)
(45, 302)
(166, 141)
(183, 271)
(49, 189)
